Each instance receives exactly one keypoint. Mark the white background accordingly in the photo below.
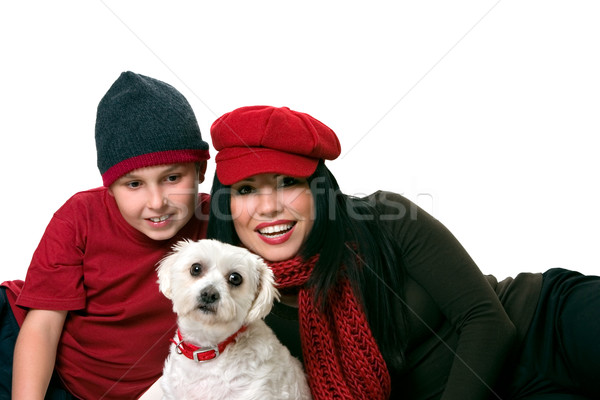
(484, 112)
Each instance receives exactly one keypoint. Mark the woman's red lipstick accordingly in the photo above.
(275, 232)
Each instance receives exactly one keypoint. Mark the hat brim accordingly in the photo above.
(153, 159)
(239, 163)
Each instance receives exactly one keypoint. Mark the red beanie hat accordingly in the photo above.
(264, 139)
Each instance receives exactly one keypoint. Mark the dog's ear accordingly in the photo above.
(165, 266)
(266, 293)
(164, 275)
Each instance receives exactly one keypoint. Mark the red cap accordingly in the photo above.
(263, 139)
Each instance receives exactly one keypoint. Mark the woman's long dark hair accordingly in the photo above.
(347, 232)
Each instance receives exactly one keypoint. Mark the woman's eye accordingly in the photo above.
(196, 269)
(235, 279)
(245, 189)
(288, 181)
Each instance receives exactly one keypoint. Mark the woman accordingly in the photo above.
(378, 298)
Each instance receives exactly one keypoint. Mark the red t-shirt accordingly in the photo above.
(91, 262)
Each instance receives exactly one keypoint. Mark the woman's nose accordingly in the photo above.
(269, 202)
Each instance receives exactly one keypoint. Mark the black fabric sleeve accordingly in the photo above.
(438, 263)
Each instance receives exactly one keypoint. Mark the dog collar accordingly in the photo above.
(202, 354)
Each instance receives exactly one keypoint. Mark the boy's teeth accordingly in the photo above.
(160, 219)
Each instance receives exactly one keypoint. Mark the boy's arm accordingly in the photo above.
(35, 353)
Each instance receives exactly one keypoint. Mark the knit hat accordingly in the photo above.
(142, 122)
(264, 139)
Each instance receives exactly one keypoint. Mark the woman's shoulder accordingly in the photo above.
(409, 224)
(394, 206)
(383, 194)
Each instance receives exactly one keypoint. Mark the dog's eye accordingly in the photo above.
(235, 279)
(195, 269)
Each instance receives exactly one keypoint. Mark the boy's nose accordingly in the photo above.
(156, 199)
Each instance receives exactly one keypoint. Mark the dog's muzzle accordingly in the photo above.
(208, 299)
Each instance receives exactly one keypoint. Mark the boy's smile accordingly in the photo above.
(158, 201)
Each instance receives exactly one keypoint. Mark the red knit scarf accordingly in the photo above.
(341, 357)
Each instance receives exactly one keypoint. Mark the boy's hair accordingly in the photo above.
(142, 122)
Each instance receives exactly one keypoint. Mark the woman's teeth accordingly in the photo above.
(160, 219)
(275, 230)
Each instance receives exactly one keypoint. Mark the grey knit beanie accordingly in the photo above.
(143, 122)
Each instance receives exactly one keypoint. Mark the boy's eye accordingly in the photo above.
(172, 178)
(133, 184)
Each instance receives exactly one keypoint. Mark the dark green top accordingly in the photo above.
(462, 324)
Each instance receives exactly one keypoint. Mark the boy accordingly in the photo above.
(92, 321)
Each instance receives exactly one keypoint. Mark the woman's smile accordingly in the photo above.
(272, 214)
(276, 232)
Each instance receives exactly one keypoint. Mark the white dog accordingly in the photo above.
(223, 349)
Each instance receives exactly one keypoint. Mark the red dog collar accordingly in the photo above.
(201, 354)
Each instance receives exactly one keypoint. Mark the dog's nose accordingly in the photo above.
(209, 295)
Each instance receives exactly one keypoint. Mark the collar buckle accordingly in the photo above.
(205, 350)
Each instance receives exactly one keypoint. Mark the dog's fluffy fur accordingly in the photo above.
(256, 365)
